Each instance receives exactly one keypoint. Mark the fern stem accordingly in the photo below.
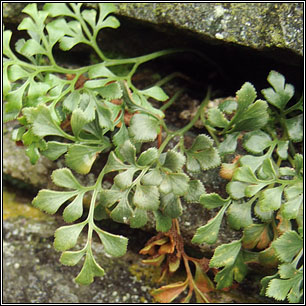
(172, 100)
(183, 130)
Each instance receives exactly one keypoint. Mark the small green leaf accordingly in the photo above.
(99, 83)
(279, 288)
(175, 182)
(265, 216)
(127, 152)
(15, 72)
(163, 222)
(153, 177)
(287, 270)
(251, 190)
(293, 191)
(209, 232)
(121, 136)
(32, 47)
(228, 106)
(64, 178)
(202, 154)
(213, 200)
(143, 128)
(282, 92)
(146, 197)
(256, 235)
(288, 245)
(105, 9)
(66, 236)
(139, 219)
(254, 118)
(114, 245)
(155, 92)
(286, 171)
(256, 141)
(224, 278)
(7, 34)
(74, 210)
(71, 258)
(174, 161)
(111, 91)
(282, 149)
(50, 201)
(147, 157)
(58, 9)
(236, 271)
(245, 174)
(110, 22)
(245, 97)
(225, 254)
(216, 118)
(271, 199)
(254, 162)
(56, 29)
(195, 190)
(14, 103)
(81, 157)
(55, 149)
(72, 101)
(240, 215)
(124, 179)
(43, 122)
(114, 163)
(78, 120)
(90, 269)
(290, 209)
(105, 117)
(236, 189)
(6, 82)
(123, 211)
(99, 70)
(295, 128)
(298, 163)
(229, 143)
(75, 36)
(33, 153)
(171, 205)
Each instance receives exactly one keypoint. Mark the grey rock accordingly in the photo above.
(255, 25)
(32, 272)
(17, 165)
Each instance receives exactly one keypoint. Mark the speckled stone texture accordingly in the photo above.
(255, 25)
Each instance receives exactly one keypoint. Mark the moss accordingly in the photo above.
(12, 208)
(149, 274)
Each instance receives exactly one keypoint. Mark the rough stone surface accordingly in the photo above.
(17, 165)
(32, 272)
(255, 25)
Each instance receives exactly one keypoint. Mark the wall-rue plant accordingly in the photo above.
(81, 113)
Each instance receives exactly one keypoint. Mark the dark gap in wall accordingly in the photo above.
(238, 63)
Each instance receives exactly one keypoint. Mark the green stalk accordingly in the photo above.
(172, 100)
(183, 130)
